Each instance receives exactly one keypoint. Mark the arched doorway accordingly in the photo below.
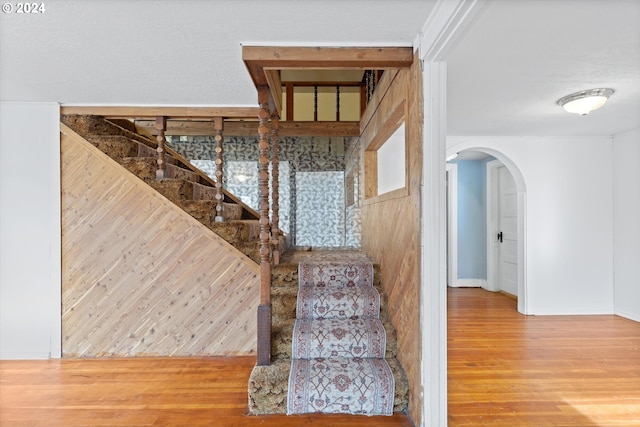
(491, 258)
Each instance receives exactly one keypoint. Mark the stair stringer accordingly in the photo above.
(140, 276)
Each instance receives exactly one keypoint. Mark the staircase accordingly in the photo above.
(268, 385)
(185, 185)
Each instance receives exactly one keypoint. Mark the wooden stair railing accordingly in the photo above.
(219, 124)
(264, 308)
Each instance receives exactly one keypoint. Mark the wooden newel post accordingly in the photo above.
(219, 125)
(264, 309)
(161, 127)
(275, 186)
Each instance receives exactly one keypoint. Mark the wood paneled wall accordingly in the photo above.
(140, 277)
(391, 225)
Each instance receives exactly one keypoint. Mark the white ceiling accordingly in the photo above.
(504, 76)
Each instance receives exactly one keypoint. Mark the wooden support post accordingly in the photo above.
(275, 187)
(161, 127)
(337, 103)
(264, 309)
(315, 103)
(290, 106)
(218, 123)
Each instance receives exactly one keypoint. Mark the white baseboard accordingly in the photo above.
(631, 316)
(469, 283)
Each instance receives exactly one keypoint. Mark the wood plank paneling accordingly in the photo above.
(391, 227)
(140, 276)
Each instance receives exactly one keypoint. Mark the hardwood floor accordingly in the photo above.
(506, 369)
(143, 392)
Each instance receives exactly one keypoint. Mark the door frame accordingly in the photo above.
(502, 159)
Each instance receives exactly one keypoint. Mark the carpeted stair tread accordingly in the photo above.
(341, 385)
(284, 302)
(175, 190)
(282, 338)
(268, 387)
(237, 230)
(86, 125)
(342, 274)
(286, 274)
(116, 147)
(338, 302)
(250, 249)
(145, 169)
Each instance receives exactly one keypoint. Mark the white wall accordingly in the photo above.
(569, 218)
(30, 275)
(626, 223)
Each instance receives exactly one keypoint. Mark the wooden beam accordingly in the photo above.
(360, 58)
(249, 128)
(275, 87)
(169, 112)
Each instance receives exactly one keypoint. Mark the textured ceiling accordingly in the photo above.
(504, 75)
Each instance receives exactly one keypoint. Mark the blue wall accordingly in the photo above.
(472, 219)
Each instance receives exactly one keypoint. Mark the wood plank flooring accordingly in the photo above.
(506, 369)
(143, 392)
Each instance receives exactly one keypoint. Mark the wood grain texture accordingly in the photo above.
(193, 392)
(169, 112)
(506, 369)
(140, 276)
(391, 227)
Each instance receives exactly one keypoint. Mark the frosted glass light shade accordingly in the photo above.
(585, 101)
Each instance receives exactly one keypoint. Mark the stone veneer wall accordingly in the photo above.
(311, 166)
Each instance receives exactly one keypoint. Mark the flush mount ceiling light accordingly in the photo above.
(585, 101)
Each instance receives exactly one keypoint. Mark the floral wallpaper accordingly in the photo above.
(312, 207)
(320, 214)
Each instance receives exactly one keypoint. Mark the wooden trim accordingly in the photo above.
(263, 348)
(289, 92)
(389, 195)
(111, 112)
(249, 128)
(275, 87)
(359, 58)
(379, 93)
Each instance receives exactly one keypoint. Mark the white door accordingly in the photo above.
(507, 233)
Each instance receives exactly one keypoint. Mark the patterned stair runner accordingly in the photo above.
(338, 344)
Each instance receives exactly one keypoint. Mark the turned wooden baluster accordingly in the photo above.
(161, 126)
(264, 308)
(218, 124)
(275, 197)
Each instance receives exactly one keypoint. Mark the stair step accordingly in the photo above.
(117, 147)
(175, 190)
(250, 249)
(86, 125)
(205, 210)
(282, 333)
(284, 301)
(286, 274)
(237, 231)
(269, 385)
(145, 168)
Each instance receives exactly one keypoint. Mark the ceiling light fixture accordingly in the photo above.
(585, 101)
